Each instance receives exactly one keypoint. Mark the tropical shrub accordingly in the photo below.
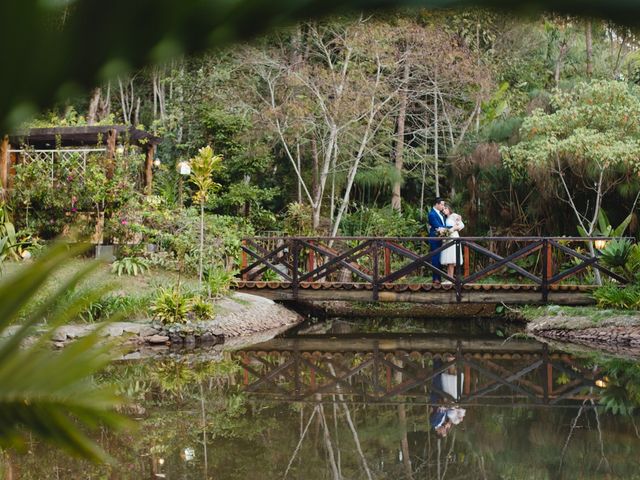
(173, 232)
(171, 306)
(129, 266)
(219, 281)
(633, 262)
(621, 395)
(623, 257)
(201, 308)
(615, 296)
(111, 305)
(379, 222)
(50, 205)
(298, 220)
(616, 253)
(203, 166)
(8, 240)
(270, 276)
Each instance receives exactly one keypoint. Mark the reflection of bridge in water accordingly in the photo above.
(402, 369)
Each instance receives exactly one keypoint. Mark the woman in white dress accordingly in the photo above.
(448, 257)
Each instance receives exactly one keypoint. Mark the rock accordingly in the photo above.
(59, 335)
(207, 337)
(175, 339)
(114, 330)
(157, 339)
(190, 340)
(132, 356)
(134, 328)
(147, 331)
(70, 332)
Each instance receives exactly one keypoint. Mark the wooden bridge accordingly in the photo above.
(510, 270)
(400, 368)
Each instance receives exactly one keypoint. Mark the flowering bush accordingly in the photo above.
(69, 196)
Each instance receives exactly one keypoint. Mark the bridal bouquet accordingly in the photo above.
(444, 232)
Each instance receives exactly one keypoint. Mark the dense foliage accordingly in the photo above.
(352, 115)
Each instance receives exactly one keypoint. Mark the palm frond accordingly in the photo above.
(51, 394)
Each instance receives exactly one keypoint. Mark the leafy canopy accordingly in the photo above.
(594, 127)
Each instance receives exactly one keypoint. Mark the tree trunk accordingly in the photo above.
(436, 141)
(92, 114)
(201, 241)
(104, 108)
(560, 61)
(315, 171)
(299, 162)
(589, 48)
(396, 197)
(136, 117)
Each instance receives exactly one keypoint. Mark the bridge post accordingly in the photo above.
(243, 261)
(376, 269)
(547, 384)
(545, 273)
(311, 260)
(458, 279)
(549, 260)
(387, 261)
(295, 277)
(467, 259)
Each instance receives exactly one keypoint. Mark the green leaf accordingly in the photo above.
(50, 394)
(603, 223)
(620, 229)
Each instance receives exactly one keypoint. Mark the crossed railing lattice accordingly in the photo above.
(378, 261)
(385, 377)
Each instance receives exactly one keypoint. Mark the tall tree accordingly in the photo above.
(396, 198)
(584, 148)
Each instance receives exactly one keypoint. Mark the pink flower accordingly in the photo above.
(123, 221)
(74, 209)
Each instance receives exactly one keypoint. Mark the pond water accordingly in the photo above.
(367, 400)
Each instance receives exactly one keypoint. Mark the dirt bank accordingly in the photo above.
(609, 330)
(238, 317)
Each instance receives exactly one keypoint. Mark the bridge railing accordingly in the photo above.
(379, 261)
(378, 376)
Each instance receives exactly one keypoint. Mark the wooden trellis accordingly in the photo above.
(60, 163)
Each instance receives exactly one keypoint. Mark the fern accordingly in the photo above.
(130, 266)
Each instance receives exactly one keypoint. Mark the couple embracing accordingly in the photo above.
(443, 222)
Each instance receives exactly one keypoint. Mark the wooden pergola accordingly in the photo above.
(77, 139)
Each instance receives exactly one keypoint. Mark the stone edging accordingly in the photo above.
(239, 315)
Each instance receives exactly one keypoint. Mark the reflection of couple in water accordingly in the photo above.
(445, 414)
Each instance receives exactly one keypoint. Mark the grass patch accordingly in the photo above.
(574, 318)
(240, 301)
(129, 294)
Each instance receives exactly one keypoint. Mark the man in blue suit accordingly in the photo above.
(436, 222)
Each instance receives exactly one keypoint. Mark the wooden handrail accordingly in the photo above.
(370, 260)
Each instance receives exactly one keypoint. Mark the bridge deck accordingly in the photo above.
(513, 294)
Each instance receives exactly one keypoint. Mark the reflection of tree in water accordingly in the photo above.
(336, 439)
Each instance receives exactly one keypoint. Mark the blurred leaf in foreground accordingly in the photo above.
(51, 394)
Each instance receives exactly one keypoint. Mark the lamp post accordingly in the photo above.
(184, 169)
